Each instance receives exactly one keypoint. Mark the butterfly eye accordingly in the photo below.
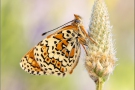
(77, 21)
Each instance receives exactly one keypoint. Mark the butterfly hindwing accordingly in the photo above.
(57, 54)
(30, 65)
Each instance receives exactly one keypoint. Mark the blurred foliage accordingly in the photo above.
(23, 22)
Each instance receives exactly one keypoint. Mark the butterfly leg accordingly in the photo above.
(84, 49)
(92, 40)
(82, 28)
(83, 42)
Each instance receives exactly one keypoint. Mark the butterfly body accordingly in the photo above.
(58, 53)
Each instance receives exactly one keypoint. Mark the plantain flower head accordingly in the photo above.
(101, 59)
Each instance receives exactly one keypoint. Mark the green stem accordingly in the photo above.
(99, 84)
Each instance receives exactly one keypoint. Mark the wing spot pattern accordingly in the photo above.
(62, 46)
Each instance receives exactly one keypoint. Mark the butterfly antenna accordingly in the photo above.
(57, 27)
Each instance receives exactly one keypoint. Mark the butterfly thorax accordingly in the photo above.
(80, 31)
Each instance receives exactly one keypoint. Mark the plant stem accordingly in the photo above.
(99, 84)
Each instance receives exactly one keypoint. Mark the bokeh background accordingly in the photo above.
(23, 22)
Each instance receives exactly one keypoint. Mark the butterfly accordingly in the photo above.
(58, 54)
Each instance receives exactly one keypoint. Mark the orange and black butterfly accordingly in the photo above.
(58, 53)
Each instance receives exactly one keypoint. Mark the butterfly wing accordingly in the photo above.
(30, 65)
(57, 54)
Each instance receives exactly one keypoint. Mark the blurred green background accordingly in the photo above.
(23, 22)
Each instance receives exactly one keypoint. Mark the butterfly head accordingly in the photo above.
(77, 20)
